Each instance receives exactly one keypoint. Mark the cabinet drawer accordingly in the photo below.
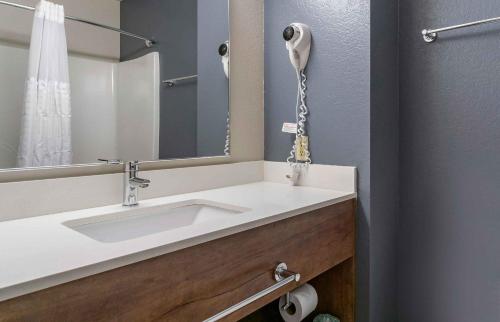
(197, 282)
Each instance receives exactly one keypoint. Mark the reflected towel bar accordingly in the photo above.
(149, 42)
(430, 35)
(283, 277)
(172, 82)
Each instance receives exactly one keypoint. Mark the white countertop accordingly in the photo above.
(41, 252)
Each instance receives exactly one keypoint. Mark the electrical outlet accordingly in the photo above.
(302, 148)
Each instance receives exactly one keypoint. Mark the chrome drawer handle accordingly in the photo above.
(283, 277)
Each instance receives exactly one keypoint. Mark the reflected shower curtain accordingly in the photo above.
(46, 123)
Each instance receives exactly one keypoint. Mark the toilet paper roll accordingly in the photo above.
(304, 300)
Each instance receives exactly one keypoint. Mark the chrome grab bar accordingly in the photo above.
(281, 274)
(172, 82)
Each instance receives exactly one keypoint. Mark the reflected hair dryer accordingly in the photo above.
(224, 53)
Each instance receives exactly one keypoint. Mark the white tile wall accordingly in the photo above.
(93, 100)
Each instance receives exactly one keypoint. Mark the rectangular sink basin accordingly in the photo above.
(140, 222)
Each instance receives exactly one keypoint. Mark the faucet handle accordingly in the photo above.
(111, 161)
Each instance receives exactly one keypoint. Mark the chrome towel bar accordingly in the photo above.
(283, 277)
(430, 35)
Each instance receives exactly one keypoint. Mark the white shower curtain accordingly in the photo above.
(46, 123)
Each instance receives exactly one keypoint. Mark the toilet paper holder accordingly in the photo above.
(282, 276)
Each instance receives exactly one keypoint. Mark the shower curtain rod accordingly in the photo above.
(148, 41)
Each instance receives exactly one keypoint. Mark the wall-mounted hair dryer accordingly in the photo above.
(224, 53)
(298, 42)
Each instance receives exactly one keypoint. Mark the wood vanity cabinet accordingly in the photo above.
(197, 282)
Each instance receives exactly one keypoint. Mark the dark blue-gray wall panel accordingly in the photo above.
(449, 232)
(173, 24)
(384, 155)
(213, 86)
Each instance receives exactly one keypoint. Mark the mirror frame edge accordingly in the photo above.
(90, 169)
(31, 174)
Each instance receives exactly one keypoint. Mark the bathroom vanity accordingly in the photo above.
(211, 250)
(207, 223)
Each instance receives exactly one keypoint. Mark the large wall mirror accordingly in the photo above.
(154, 88)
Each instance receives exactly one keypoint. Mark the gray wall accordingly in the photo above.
(384, 143)
(449, 223)
(338, 98)
(213, 86)
(173, 24)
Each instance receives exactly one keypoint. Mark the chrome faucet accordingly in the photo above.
(131, 182)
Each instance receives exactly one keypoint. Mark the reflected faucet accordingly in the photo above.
(131, 182)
